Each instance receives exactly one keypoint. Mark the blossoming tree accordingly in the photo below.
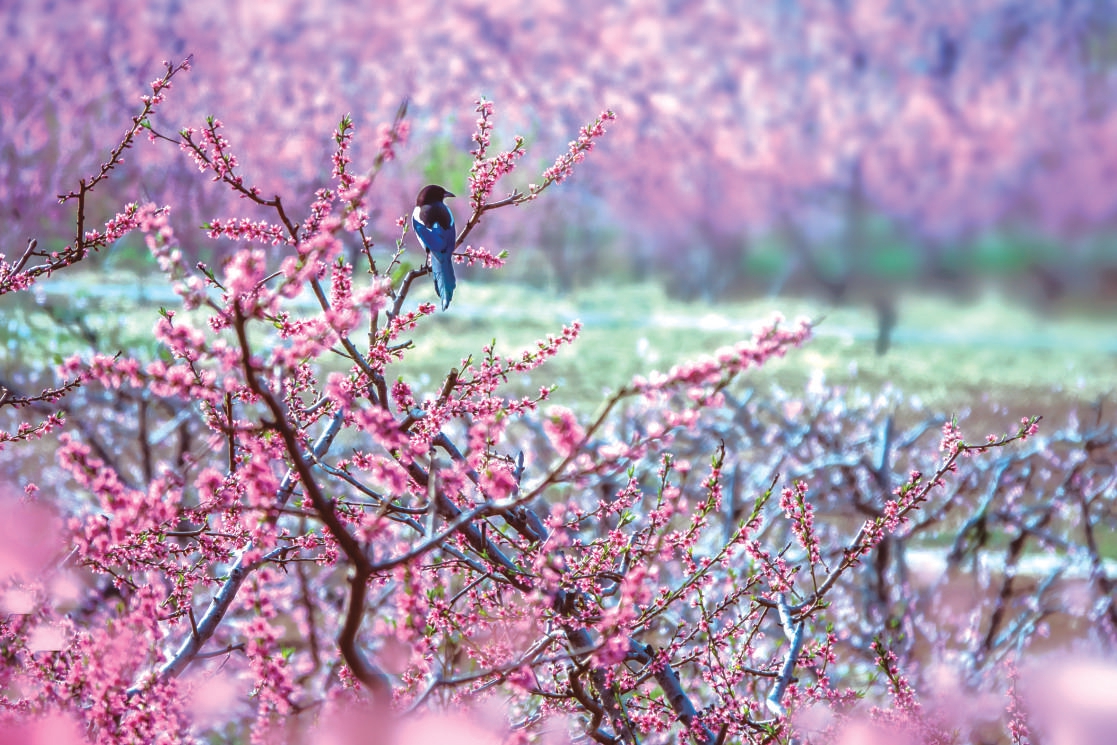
(261, 532)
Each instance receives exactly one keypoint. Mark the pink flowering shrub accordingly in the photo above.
(263, 534)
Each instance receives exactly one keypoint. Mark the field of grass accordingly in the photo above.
(945, 355)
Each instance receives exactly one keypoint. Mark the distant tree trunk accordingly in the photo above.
(885, 305)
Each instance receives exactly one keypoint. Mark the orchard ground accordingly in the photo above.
(991, 356)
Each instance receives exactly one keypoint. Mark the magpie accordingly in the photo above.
(434, 224)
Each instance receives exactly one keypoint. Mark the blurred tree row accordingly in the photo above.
(802, 145)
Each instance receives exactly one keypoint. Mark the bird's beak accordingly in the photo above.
(450, 194)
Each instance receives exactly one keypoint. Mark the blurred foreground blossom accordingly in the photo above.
(46, 638)
(51, 730)
(28, 539)
(374, 727)
(1073, 702)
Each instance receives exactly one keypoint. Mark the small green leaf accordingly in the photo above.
(401, 271)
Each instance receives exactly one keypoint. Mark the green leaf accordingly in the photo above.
(401, 270)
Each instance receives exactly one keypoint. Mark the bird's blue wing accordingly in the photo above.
(439, 242)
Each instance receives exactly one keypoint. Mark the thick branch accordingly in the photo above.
(369, 674)
(794, 633)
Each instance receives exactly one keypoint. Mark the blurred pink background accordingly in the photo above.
(793, 143)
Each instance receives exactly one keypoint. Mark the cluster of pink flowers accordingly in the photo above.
(470, 256)
(389, 137)
(211, 150)
(260, 231)
(487, 171)
(564, 166)
(793, 502)
(770, 341)
(952, 442)
(563, 430)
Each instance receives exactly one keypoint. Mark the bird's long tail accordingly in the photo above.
(442, 267)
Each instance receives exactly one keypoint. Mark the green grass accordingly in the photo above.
(946, 355)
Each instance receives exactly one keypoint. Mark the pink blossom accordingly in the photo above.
(563, 430)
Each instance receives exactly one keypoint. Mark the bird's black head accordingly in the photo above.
(431, 194)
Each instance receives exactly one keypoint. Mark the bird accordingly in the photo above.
(434, 225)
